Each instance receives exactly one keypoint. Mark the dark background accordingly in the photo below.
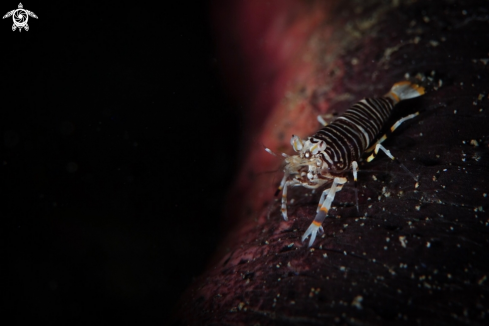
(119, 145)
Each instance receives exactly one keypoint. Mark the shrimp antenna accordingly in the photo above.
(268, 150)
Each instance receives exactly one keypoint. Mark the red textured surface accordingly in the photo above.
(415, 253)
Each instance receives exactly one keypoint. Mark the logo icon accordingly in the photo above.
(20, 17)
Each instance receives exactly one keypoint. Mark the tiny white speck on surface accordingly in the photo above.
(241, 305)
(403, 241)
(482, 280)
(325, 255)
(454, 111)
(357, 302)
(428, 244)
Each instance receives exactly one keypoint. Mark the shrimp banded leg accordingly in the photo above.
(283, 186)
(391, 130)
(324, 194)
(354, 166)
(315, 226)
(375, 147)
(388, 153)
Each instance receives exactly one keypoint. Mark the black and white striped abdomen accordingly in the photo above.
(351, 134)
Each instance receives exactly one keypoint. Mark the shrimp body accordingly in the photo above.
(327, 156)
